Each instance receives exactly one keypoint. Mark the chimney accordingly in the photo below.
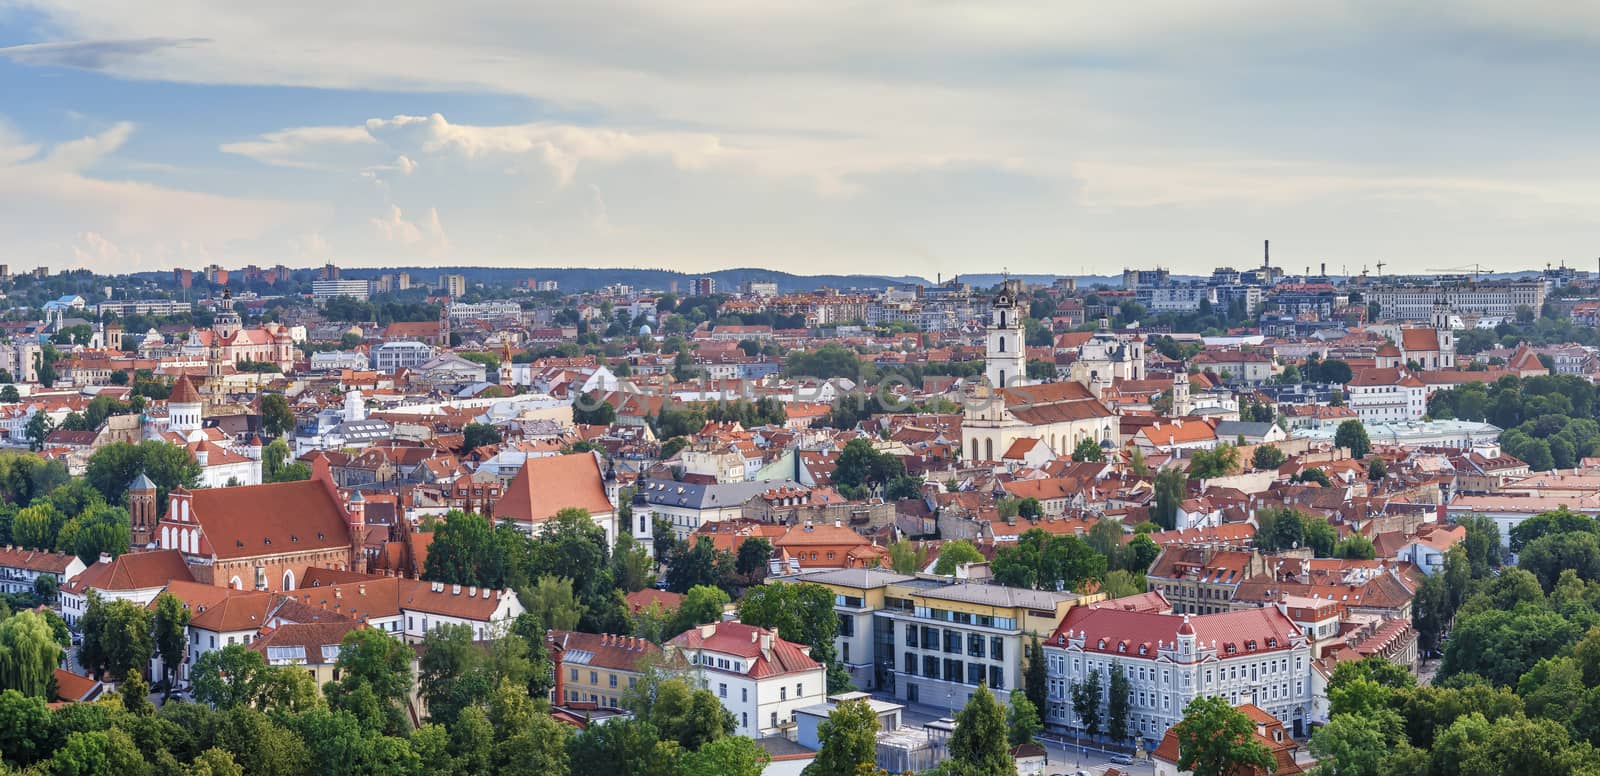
(707, 630)
(105, 557)
(1266, 253)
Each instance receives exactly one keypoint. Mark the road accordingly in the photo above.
(1063, 758)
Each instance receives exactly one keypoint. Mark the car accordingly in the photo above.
(1121, 759)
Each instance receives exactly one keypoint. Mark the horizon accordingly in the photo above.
(917, 140)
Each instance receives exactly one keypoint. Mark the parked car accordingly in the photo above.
(1121, 759)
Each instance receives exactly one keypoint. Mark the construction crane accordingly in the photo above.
(1475, 268)
(1380, 269)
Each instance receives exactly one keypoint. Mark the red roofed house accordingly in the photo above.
(545, 486)
(1268, 732)
(760, 679)
(265, 537)
(132, 576)
(594, 670)
(1247, 656)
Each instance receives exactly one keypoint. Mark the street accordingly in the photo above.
(1064, 758)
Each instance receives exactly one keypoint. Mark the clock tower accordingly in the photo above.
(1006, 351)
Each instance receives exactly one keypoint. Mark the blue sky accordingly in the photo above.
(897, 138)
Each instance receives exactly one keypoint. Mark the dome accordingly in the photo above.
(356, 330)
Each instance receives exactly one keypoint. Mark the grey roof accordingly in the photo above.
(1230, 428)
(671, 493)
(358, 430)
(998, 595)
(141, 482)
(862, 578)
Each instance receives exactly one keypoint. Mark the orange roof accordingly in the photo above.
(312, 636)
(183, 392)
(545, 486)
(251, 520)
(133, 571)
(1419, 340)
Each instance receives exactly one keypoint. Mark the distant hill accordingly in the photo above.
(589, 278)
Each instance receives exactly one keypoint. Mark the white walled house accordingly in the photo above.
(761, 679)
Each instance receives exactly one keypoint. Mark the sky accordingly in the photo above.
(883, 136)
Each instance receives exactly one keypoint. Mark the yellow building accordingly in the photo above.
(595, 670)
(932, 640)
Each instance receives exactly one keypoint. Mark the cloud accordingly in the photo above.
(92, 54)
(394, 227)
(311, 148)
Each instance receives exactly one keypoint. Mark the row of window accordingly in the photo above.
(594, 678)
(951, 641)
(953, 671)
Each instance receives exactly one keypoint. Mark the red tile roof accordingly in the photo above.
(771, 655)
(545, 486)
(133, 571)
(252, 520)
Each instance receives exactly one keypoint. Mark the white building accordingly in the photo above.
(333, 360)
(1006, 346)
(1253, 656)
(324, 290)
(403, 354)
(761, 679)
(1387, 395)
(20, 568)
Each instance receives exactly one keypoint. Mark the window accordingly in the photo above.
(799, 691)
(574, 674)
(974, 645)
(952, 642)
(774, 719)
(613, 680)
(722, 690)
(910, 664)
(930, 666)
(997, 678)
(997, 648)
(847, 625)
(974, 673)
(744, 719)
(846, 652)
(783, 693)
(911, 636)
(744, 695)
(952, 670)
(594, 677)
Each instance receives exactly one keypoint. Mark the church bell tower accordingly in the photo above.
(1006, 351)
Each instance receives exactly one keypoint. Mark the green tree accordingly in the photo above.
(28, 655)
(28, 730)
(1502, 645)
(1377, 469)
(754, 553)
(1088, 450)
(39, 426)
(374, 679)
(170, 632)
(908, 557)
(1215, 739)
(1320, 536)
(1267, 457)
(1022, 720)
(451, 674)
(1355, 547)
(1117, 705)
(230, 677)
(955, 553)
(116, 637)
(702, 604)
(36, 526)
(1086, 703)
(1035, 677)
(849, 738)
(276, 417)
(552, 603)
(978, 746)
(1547, 556)
(1352, 435)
(1217, 462)
(690, 716)
(274, 461)
(802, 613)
(1170, 485)
(168, 466)
(466, 551)
(621, 746)
(1350, 745)
(728, 756)
(477, 435)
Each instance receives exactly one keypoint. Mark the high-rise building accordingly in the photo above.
(323, 290)
(453, 285)
(704, 286)
(329, 272)
(402, 281)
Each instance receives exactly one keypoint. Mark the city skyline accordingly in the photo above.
(916, 140)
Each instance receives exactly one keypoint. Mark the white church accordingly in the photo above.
(1006, 407)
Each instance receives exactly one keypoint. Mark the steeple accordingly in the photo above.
(1006, 349)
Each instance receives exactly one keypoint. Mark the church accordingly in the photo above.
(1006, 407)
(1430, 348)
(229, 342)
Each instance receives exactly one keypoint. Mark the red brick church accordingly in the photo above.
(265, 537)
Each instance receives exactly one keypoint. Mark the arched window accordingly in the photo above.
(988, 449)
(235, 584)
(1002, 378)
(288, 580)
(1002, 343)
(974, 449)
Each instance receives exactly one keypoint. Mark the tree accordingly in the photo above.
(802, 613)
(1215, 739)
(168, 466)
(702, 604)
(1502, 645)
(1117, 705)
(849, 738)
(466, 551)
(1035, 677)
(1313, 474)
(1547, 556)
(1267, 457)
(1170, 485)
(1217, 462)
(39, 426)
(274, 461)
(276, 417)
(978, 746)
(9, 394)
(1088, 450)
(688, 566)
(170, 631)
(450, 673)
(551, 602)
(116, 637)
(477, 435)
(727, 756)
(630, 746)
(1022, 720)
(232, 676)
(754, 553)
(28, 655)
(1377, 469)
(28, 730)
(1350, 745)
(374, 679)
(908, 557)
(36, 526)
(690, 716)
(1352, 435)
(1086, 703)
(1320, 536)
(955, 553)
(1355, 547)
